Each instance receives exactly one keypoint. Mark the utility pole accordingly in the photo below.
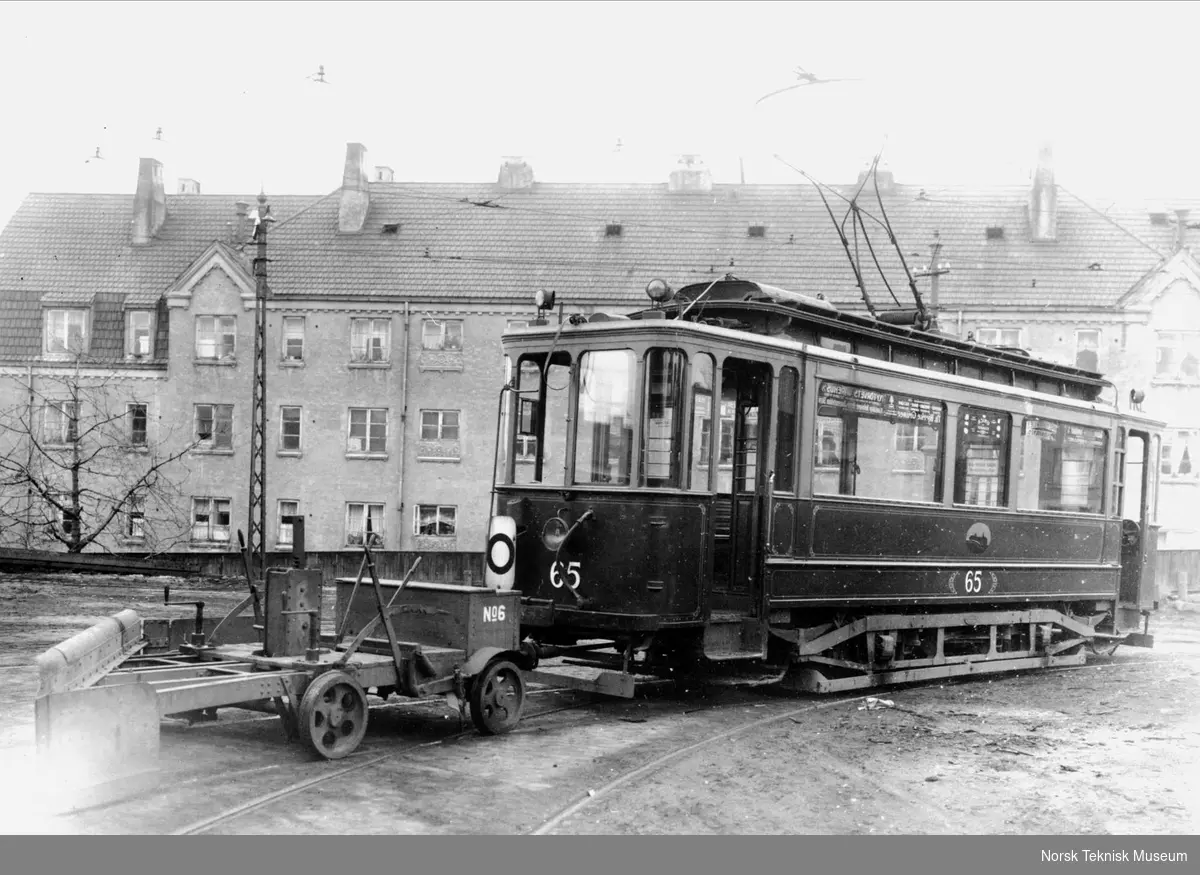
(934, 270)
(257, 516)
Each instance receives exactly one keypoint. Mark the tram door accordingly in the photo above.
(741, 487)
(1137, 460)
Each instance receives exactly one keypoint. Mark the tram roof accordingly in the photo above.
(759, 308)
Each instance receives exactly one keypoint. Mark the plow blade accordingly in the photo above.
(95, 743)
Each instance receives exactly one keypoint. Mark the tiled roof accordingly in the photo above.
(75, 249)
(478, 243)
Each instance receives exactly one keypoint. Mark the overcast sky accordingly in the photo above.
(954, 93)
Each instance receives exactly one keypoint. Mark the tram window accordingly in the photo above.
(877, 444)
(540, 437)
(785, 431)
(965, 369)
(904, 357)
(872, 350)
(604, 418)
(1062, 467)
(1118, 484)
(981, 461)
(700, 460)
(663, 424)
(835, 344)
(937, 363)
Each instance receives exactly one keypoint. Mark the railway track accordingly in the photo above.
(669, 741)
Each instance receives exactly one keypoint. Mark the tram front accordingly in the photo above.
(592, 518)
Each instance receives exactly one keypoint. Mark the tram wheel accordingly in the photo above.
(333, 715)
(497, 696)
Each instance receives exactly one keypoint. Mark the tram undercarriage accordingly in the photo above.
(848, 652)
(881, 649)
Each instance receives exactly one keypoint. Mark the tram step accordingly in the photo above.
(730, 635)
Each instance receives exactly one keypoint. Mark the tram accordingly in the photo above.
(744, 479)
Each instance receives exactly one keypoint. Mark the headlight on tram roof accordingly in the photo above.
(659, 291)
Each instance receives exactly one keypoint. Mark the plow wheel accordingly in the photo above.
(333, 715)
(497, 695)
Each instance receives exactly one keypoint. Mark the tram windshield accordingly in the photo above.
(534, 422)
(605, 416)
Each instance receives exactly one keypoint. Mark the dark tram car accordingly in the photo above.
(745, 477)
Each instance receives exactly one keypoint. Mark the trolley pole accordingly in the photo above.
(257, 517)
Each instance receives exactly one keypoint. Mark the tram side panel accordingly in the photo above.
(855, 553)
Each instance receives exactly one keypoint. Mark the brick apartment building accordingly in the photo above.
(388, 300)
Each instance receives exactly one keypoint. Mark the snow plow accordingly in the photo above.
(103, 693)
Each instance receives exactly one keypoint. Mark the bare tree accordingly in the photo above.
(82, 464)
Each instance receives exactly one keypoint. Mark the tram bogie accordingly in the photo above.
(745, 476)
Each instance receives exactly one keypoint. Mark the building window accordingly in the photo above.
(1087, 349)
(293, 338)
(1178, 356)
(1178, 455)
(438, 520)
(139, 333)
(66, 332)
(444, 334)
(67, 516)
(214, 426)
(368, 430)
(210, 520)
(981, 460)
(62, 423)
(135, 519)
(289, 429)
(370, 340)
(137, 424)
(439, 425)
(215, 337)
(999, 336)
(364, 525)
(287, 509)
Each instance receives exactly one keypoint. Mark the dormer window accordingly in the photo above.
(757, 231)
(66, 332)
(139, 333)
(612, 229)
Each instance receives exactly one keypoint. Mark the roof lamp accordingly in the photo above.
(544, 299)
(659, 291)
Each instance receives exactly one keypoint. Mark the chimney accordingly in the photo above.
(691, 176)
(515, 174)
(149, 202)
(882, 177)
(1181, 229)
(188, 186)
(240, 234)
(1043, 200)
(352, 211)
(384, 174)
